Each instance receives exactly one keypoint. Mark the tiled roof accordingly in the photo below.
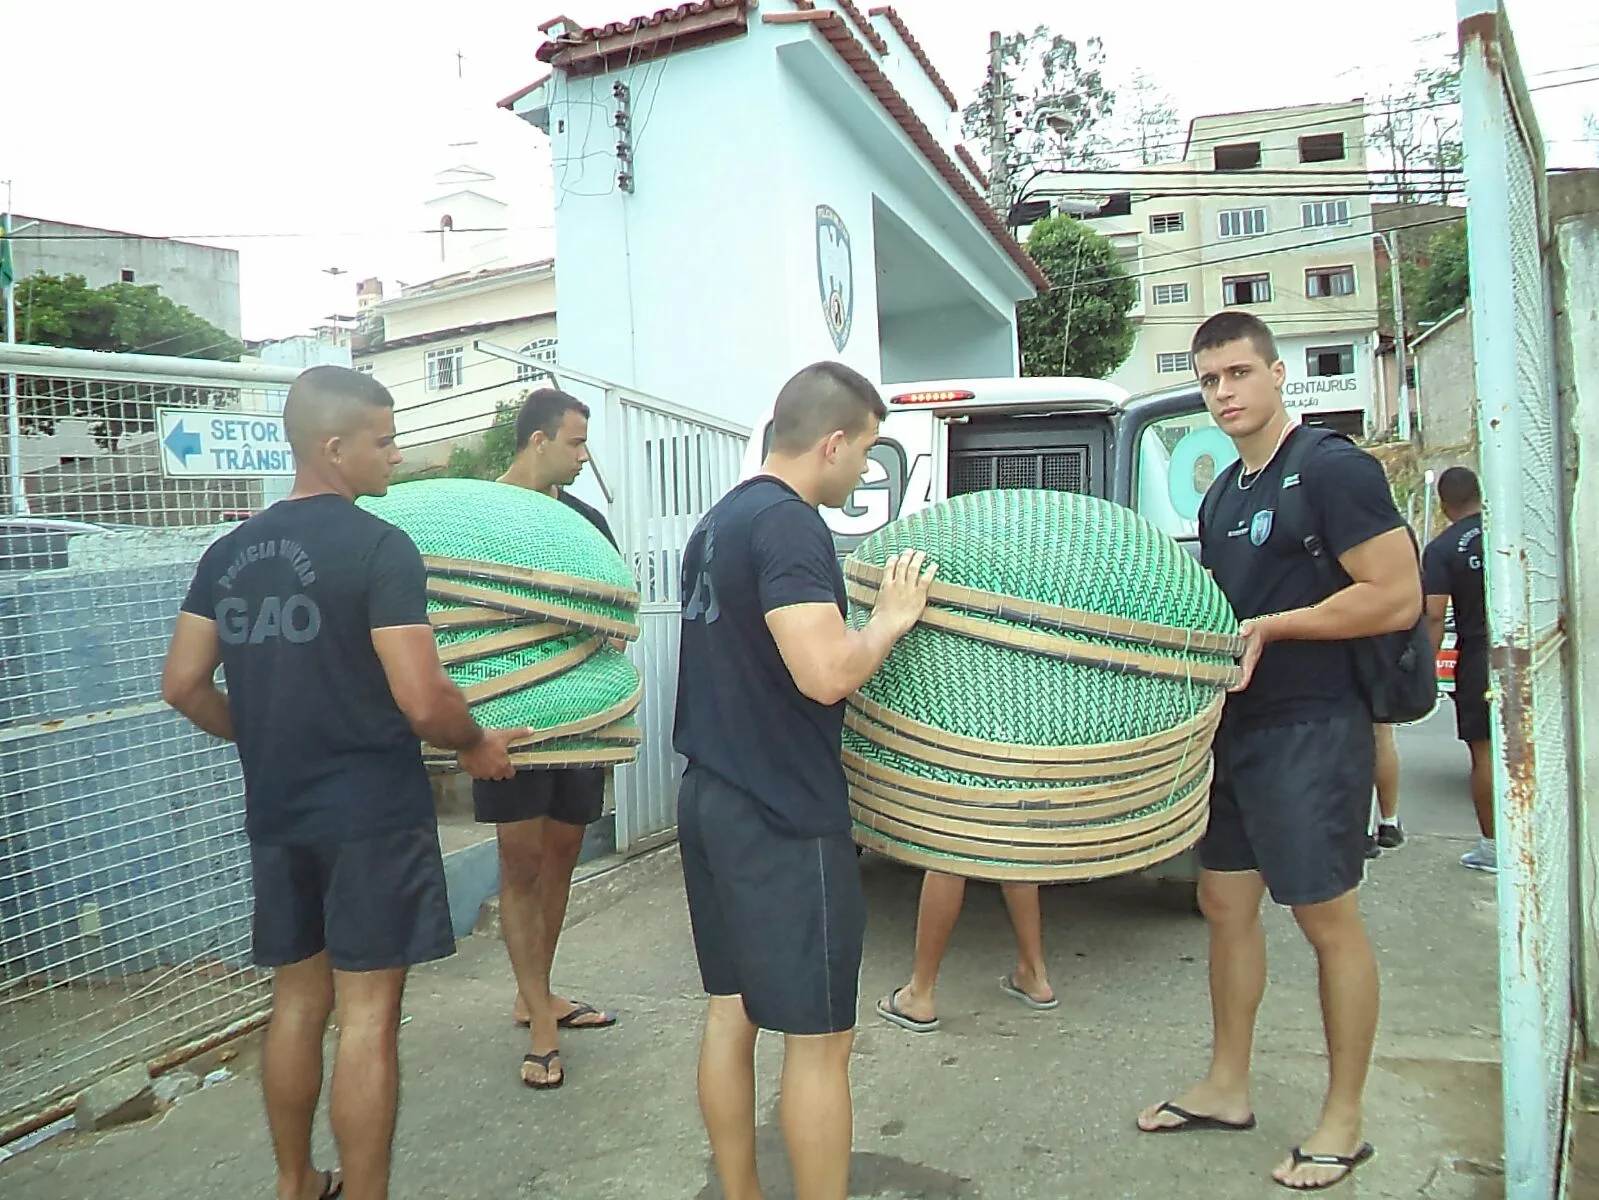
(832, 27)
(586, 51)
(509, 102)
(965, 155)
(873, 38)
(893, 18)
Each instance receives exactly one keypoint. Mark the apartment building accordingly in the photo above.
(1267, 211)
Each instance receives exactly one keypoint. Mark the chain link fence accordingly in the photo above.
(124, 871)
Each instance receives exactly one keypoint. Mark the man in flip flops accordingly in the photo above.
(914, 1006)
(1295, 755)
(317, 613)
(540, 816)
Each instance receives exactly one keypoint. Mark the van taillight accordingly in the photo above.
(931, 397)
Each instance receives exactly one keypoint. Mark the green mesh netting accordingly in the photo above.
(593, 686)
(1057, 548)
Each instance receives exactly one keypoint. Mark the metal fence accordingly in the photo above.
(1519, 425)
(124, 871)
(671, 464)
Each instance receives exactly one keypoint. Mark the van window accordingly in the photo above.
(1178, 457)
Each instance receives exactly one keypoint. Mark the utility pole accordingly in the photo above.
(998, 128)
(1391, 243)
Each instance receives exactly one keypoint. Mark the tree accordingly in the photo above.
(1446, 282)
(491, 456)
(120, 317)
(1417, 135)
(1146, 121)
(1080, 326)
(1056, 100)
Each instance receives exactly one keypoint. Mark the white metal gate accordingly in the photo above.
(1519, 428)
(670, 465)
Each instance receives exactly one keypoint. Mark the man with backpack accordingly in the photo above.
(1303, 537)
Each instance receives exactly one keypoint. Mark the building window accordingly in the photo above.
(363, 368)
(1166, 223)
(1324, 212)
(127, 274)
(1321, 147)
(445, 368)
(1410, 375)
(1246, 289)
(1321, 282)
(1243, 222)
(1244, 156)
(1169, 293)
(1322, 362)
(1171, 364)
(542, 349)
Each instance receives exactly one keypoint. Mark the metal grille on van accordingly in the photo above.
(1056, 469)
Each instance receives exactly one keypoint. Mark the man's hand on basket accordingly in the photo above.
(491, 757)
(1256, 634)
(902, 596)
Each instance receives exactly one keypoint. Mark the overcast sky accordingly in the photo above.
(314, 127)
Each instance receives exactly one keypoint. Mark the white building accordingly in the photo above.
(1268, 211)
(786, 188)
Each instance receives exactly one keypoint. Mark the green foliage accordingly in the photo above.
(1447, 281)
(491, 455)
(1046, 74)
(119, 317)
(1080, 327)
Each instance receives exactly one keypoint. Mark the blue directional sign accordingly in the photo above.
(207, 444)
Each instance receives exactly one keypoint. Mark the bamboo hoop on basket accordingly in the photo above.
(527, 606)
(528, 577)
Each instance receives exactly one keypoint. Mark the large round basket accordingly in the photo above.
(526, 598)
(1050, 717)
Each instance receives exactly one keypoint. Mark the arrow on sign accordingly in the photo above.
(182, 443)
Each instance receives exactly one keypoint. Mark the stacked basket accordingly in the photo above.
(1050, 717)
(525, 597)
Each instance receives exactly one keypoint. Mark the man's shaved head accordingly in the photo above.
(329, 402)
(822, 399)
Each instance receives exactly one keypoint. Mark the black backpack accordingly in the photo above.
(1396, 672)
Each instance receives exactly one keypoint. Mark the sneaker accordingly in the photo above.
(1373, 850)
(1390, 837)
(1483, 858)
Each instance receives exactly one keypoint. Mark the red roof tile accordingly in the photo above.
(893, 18)
(965, 155)
(603, 47)
(831, 26)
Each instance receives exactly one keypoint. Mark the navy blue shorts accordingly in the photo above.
(1293, 802)
(373, 904)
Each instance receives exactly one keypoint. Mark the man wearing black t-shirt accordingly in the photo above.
(769, 865)
(1451, 570)
(1294, 753)
(317, 613)
(540, 815)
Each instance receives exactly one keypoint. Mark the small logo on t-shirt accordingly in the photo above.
(1260, 527)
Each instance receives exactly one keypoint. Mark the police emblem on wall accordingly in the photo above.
(835, 274)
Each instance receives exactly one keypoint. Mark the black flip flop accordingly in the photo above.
(888, 1008)
(1349, 1163)
(1196, 1122)
(570, 1021)
(330, 1191)
(545, 1061)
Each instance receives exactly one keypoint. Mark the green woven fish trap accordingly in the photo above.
(524, 596)
(1050, 717)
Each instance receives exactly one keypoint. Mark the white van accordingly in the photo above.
(1156, 453)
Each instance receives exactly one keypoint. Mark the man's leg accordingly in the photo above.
(1348, 975)
(366, 1078)
(936, 914)
(1390, 834)
(291, 1070)
(727, 1095)
(522, 920)
(1231, 904)
(1482, 786)
(1027, 920)
(818, 1122)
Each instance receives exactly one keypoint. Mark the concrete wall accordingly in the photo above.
(204, 279)
(1446, 385)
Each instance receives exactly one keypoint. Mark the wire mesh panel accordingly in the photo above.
(671, 468)
(1525, 573)
(124, 872)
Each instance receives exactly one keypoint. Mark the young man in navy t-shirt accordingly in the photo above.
(1295, 752)
(317, 613)
(769, 864)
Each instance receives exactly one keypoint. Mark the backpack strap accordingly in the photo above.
(1213, 494)
(1294, 513)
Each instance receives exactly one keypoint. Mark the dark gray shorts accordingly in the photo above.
(1293, 802)
(778, 920)
(571, 795)
(373, 904)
